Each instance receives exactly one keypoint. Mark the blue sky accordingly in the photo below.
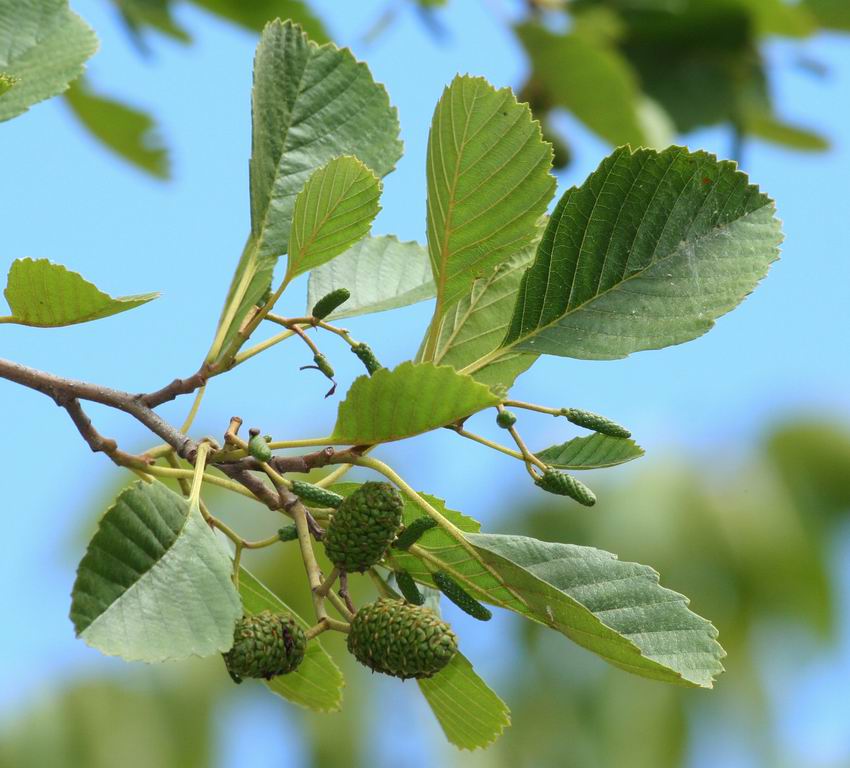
(66, 199)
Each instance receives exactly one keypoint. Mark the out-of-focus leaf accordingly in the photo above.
(469, 711)
(381, 273)
(588, 78)
(145, 720)
(154, 584)
(125, 130)
(776, 131)
(832, 14)
(254, 14)
(47, 295)
(156, 14)
(408, 400)
(311, 103)
(43, 47)
(317, 682)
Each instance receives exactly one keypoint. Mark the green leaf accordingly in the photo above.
(772, 129)
(43, 46)
(154, 584)
(589, 78)
(7, 82)
(380, 272)
(48, 295)
(591, 452)
(128, 132)
(255, 14)
(408, 400)
(832, 14)
(469, 711)
(617, 610)
(474, 327)
(488, 184)
(333, 211)
(647, 253)
(311, 104)
(317, 682)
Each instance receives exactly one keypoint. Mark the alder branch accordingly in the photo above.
(63, 390)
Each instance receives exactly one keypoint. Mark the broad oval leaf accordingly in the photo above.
(408, 400)
(488, 183)
(43, 47)
(334, 210)
(591, 452)
(317, 682)
(311, 103)
(126, 131)
(255, 14)
(648, 252)
(616, 609)
(155, 584)
(47, 295)
(380, 272)
(468, 710)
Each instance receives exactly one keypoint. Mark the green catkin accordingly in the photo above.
(288, 532)
(595, 422)
(331, 302)
(323, 365)
(407, 587)
(562, 484)
(460, 597)
(413, 532)
(367, 357)
(316, 495)
(258, 447)
(505, 419)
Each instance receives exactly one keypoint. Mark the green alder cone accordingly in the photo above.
(315, 494)
(505, 419)
(401, 639)
(562, 484)
(363, 527)
(265, 645)
(595, 422)
(288, 532)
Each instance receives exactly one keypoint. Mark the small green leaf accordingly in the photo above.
(154, 584)
(770, 128)
(381, 272)
(591, 452)
(488, 184)
(310, 104)
(468, 710)
(333, 211)
(617, 610)
(474, 328)
(406, 401)
(317, 682)
(48, 295)
(128, 132)
(832, 14)
(648, 252)
(43, 47)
